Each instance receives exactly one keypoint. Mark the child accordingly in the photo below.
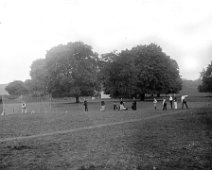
(155, 103)
(134, 104)
(24, 108)
(102, 106)
(164, 104)
(121, 107)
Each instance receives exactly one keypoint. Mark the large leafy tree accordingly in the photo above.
(206, 77)
(118, 75)
(38, 84)
(143, 69)
(157, 72)
(72, 70)
(16, 88)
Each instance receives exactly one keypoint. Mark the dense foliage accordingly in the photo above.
(75, 70)
(206, 77)
(143, 69)
(16, 88)
(67, 70)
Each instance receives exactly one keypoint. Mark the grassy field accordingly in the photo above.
(181, 139)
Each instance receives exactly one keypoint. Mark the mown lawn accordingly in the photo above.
(70, 116)
(177, 141)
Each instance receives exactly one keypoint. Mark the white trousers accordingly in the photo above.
(175, 105)
(102, 108)
(24, 110)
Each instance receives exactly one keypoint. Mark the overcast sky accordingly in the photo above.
(28, 28)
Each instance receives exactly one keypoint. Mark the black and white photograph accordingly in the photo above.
(105, 84)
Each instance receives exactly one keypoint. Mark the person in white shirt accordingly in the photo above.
(175, 101)
(23, 108)
(171, 101)
(121, 106)
(155, 103)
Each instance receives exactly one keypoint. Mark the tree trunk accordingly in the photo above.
(77, 99)
(142, 96)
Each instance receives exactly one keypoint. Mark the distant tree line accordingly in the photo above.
(75, 70)
(206, 77)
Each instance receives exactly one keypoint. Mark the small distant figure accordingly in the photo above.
(164, 104)
(32, 112)
(134, 104)
(155, 103)
(3, 113)
(175, 101)
(122, 107)
(121, 101)
(102, 109)
(115, 107)
(23, 108)
(85, 105)
(171, 100)
(184, 102)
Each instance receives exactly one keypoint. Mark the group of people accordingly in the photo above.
(115, 106)
(172, 101)
(121, 106)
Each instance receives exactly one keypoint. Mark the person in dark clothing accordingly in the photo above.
(85, 105)
(121, 101)
(184, 102)
(164, 104)
(134, 104)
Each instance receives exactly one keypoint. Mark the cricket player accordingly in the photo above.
(23, 108)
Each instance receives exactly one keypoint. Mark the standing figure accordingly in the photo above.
(164, 104)
(171, 101)
(23, 108)
(175, 101)
(134, 104)
(155, 103)
(122, 107)
(85, 105)
(2, 107)
(102, 106)
(184, 102)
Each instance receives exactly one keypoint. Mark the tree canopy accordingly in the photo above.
(67, 70)
(38, 84)
(75, 70)
(143, 69)
(206, 77)
(16, 88)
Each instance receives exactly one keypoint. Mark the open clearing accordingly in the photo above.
(181, 140)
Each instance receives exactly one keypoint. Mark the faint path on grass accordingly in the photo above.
(87, 127)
